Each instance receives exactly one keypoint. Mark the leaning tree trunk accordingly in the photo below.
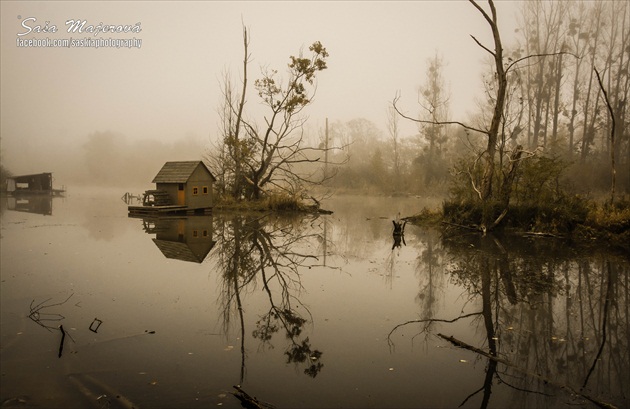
(493, 132)
(612, 138)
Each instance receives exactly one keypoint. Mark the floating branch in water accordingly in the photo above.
(63, 337)
(95, 325)
(249, 401)
(427, 322)
(41, 318)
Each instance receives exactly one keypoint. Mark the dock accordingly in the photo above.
(167, 210)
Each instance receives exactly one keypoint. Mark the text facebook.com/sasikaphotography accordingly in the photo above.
(88, 34)
(80, 43)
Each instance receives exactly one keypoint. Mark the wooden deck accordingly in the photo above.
(166, 210)
(37, 192)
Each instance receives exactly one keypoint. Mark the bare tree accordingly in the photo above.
(611, 111)
(485, 190)
(617, 67)
(493, 131)
(226, 156)
(490, 197)
(392, 128)
(576, 41)
(597, 34)
(591, 103)
(433, 98)
(274, 155)
(541, 28)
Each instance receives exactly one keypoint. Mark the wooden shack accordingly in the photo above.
(180, 187)
(35, 184)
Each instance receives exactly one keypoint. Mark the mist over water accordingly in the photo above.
(166, 93)
(109, 159)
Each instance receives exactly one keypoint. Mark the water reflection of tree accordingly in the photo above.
(254, 252)
(549, 318)
(430, 272)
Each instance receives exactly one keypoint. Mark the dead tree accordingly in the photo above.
(256, 157)
(490, 195)
(612, 138)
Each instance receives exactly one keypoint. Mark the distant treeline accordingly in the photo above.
(555, 108)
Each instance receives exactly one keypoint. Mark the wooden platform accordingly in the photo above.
(166, 210)
(37, 192)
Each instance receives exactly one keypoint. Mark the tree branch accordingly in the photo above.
(470, 128)
(483, 46)
(538, 55)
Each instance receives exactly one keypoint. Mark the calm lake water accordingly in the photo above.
(324, 311)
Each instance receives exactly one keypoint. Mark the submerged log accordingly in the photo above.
(63, 338)
(249, 401)
(541, 234)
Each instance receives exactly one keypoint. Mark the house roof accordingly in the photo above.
(25, 177)
(179, 172)
(182, 251)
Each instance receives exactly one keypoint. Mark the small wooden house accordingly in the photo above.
(185, 186)
(187, 183)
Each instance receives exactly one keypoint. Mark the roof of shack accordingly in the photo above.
(179, 172)
(34, 175)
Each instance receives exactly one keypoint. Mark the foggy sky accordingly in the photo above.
(53, 99)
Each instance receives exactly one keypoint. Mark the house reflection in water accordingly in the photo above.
(184, 238)
(39, 204)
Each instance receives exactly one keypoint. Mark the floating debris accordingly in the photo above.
(63, 337)
(249, 401)
(41, 318)
(95, 325)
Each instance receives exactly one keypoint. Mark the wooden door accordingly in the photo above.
(181, 195)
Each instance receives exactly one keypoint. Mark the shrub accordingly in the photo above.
(282, 202)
